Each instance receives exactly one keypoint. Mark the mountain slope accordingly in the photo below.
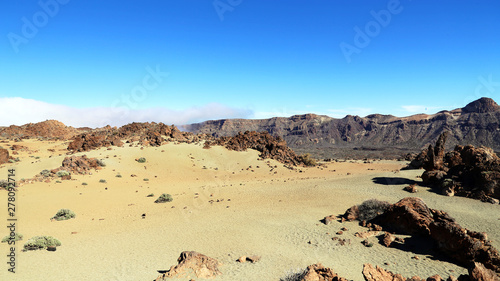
(375, 135)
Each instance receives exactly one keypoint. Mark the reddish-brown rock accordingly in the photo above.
(377, 273)
(317, 272)
(4, 155)
(480, 273)
(328, 219)
(412, 188)
(388, 239)
(190, 262)
(352, 213)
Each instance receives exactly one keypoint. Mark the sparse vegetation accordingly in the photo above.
(45, 173)
(41, 242)
(141, 160)
(101, 163)
(294, 275)
(4, 184)
(16, 236)
(308, 160)
(102, 181)
(64, 214)
(84, 183)
(151, 195)
(164, 198)
(58, 181)
(118, 176)
(62, 173)
(146, 179)
(372, 208)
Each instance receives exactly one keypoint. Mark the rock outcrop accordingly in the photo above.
(189, 263)
(50, 129)
(267, 145)
(412, 216)
(466, 171)
(317, 272)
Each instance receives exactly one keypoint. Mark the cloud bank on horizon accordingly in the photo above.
(20, 111)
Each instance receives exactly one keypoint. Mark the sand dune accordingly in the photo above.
(273, 215)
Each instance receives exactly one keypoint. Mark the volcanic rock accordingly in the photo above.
(480, 273)
(379, 274)
(192, 262)
(317, 272)
(4, 155)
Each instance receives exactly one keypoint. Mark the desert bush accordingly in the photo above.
(146, 179)
(101, 163)
(164, 198)
(64, 214)
(17, 237)
(84, 183)
(102, 181)
(141, 160)
(151, 195)
(294, 275)
(308, 160)
(41, 242)
(4, 184)
(118, 176)
(58, 181)
(45, 173)
(62, 173)
(372, 208)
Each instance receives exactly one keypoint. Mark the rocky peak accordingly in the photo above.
(482, 105)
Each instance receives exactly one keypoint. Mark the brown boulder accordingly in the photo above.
(4, 155)
(192, 262)
(480, 273)
(352, 213)
(379, 274)
(328, 219)
(412, 188)
(388, 239)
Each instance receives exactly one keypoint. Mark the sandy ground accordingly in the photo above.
(260, 212)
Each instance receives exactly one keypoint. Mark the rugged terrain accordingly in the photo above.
(372, 136)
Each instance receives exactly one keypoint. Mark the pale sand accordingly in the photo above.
(272, 215)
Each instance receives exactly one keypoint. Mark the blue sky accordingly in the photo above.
(88, 63)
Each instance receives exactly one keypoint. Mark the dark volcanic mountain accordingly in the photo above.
(375, 135)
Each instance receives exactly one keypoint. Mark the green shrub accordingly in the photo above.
(62, 173)
(141, 160)
(11, 161)
(308, 160)
(45, 173)
(145, 179)
(372, 208)
(102, 181)
(41, 242)
(17, 237)
(151, 195)
(4, 184)
(164, 198)
(101, 162)
(58, 181)
(118, 176)
(294, 275)
(64, 214)
(84, 183)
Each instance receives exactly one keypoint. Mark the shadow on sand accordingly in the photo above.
(392, 181)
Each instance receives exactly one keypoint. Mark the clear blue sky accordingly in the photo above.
(243, 58)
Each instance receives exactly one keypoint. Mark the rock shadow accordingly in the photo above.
(393, 181)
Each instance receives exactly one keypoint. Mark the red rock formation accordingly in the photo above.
(480, 273)
(379, 274)
(412, 216)
(317, 272)
(267, 145)
(50, 129)
(192, 262)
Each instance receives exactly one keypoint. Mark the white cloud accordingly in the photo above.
(19, 111)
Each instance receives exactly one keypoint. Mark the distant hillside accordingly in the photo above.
(375, 135)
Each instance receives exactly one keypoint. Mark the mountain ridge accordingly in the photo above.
(375, 135)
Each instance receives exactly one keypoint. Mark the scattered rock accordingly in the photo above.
(480, 273)
(4, 155)
(379, 274)
(328, 219)
(412, 188)
(317, 272)
(192, 262)
(388, 239)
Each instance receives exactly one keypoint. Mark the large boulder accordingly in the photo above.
(189, 263)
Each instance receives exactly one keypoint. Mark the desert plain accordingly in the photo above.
(226, 204)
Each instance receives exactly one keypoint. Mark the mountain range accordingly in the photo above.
(376, 135)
